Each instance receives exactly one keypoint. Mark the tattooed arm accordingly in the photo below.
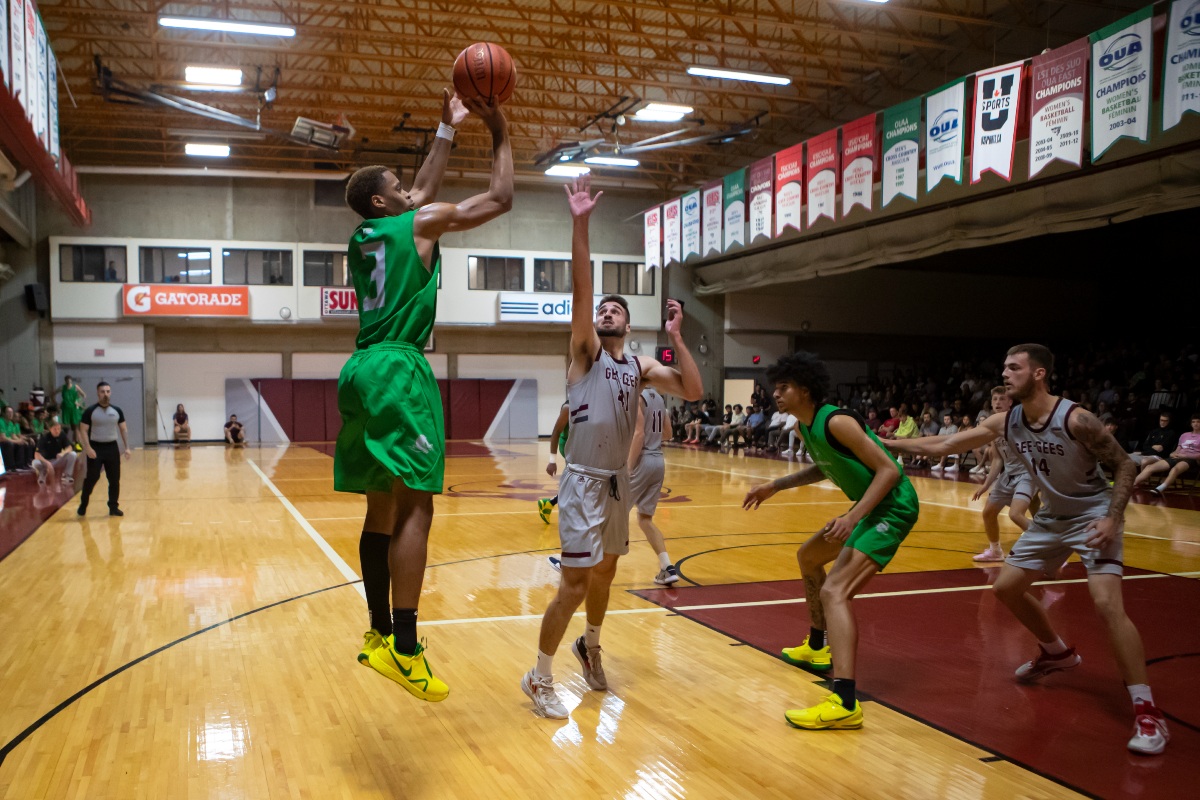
(1090, 432)
(764, 491)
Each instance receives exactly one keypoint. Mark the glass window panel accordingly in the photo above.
(627, 278)
(496, 273)
(552, 275)
(91, 263)
(325, 268)
(179, 264)
(258, 267)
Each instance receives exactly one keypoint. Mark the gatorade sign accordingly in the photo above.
(158, 300)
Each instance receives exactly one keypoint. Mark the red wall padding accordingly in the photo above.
(491, 397)
(444, 389)
(308, 411)
(464, 410)
(277, 394)
(333, 420)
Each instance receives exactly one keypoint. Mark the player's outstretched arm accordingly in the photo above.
(1089, 431)
(937, 446)
(585, 342)
(684, 382)
(887, 474)
(764, 491)
(429, 179)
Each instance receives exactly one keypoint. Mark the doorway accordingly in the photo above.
(128, 391)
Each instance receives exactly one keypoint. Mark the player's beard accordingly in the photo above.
(610, 333)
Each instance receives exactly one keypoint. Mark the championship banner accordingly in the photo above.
(762, 196)
(31, 60)
(42, 112)
(711, 219)
(789, 196)
(858, 163)
(691, 225)
(158, 300)
(901, 150)
(52, 69)
(16, 32)
(945, 131)
(735, 209)
(997, 109)
(1121, 84)
(5, 70)
(652, 228)
(1059, 94)
(822, 176)
(1181, 67)
(671, 220)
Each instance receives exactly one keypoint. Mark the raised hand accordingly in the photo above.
(453, 110)
(488, 111)
(579, 197)
(674, 317)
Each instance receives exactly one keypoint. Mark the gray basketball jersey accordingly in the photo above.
(655, 420)
(603, 413)
(1014, 467)
(1068, 477)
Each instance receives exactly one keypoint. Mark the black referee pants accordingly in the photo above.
(108, 457)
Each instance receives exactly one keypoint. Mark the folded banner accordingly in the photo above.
(997, 109)
(858, 163)
(735, 209)
(1181, 67)
(691, 225)
(671, 250)
(762, 196)
(653, 235)
(945, 131)
(1056, 121)
(712, 220)
(789, 196)
(901, 148)
(5, 70)
(822, 176)
(16, 30)
(1121, 84)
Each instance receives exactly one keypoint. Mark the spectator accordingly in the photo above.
(1182, 459)
(183, 429)
(873, 421)
(735, 420)
(703, 418)
(948, 429)
(54, 456)
(233, 432)
(888, 429)
(542, 282)
(1108, 395)
(775, 429)
(907, 429)
(1162, 440)
(16, 448)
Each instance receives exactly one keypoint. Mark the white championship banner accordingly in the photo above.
(945, 131)
(691, 225)
(1181, 70)
(997, 109)
(1121, 84)
(652, 226)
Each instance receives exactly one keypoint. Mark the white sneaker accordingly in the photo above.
(1045, 663)
(952, 468)
(1150, 734)
(788, 454)
(979, 470)
(589, 664)
(936, 468)
(667, 576)
(545, 699)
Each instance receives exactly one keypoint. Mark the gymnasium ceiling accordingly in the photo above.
(383, 63)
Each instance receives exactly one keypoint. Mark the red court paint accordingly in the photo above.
(24, 506)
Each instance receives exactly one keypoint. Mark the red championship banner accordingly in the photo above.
(1059, 97)
(711, 216)
(338, 301)
(822, 176)
(858, 163)
(762, 198)
(161, 300)
(789, 191)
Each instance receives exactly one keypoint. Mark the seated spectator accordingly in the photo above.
(233, 432)
(737, 418)
(928, 427)
(54, 456)
(775, 429)
(1161, 441)
(789, 429)
(703, 416)
(873, 421)
(888, 429)
(183, 429)
(948, 429)
(1178, 463)
(15, 448)
(755, 429)
(907, 429)
(709, 431)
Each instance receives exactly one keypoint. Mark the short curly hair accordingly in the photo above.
(362, 186)
(803, 369)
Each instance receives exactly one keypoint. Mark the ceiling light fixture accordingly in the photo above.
(734, 75)
(662, 112)
(215, 76)
(225, 26)
(208, 150)
(567, 171)
(610, 161)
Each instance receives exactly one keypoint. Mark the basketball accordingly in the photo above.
(485, 70)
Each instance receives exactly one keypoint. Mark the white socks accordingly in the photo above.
(1055, 648)
(591, 635)
(1162, 487)
(545, 665)
(664, 560)
(1140, 692)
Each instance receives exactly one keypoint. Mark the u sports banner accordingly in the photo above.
(858, 163)
(711, 219)
(1056, 110)
(997, 109)
(789, 193)
(901, 150)
(16, 32)
(822, 176)
(762, 198)
(1121, 85)
(671, 220)
(945, 131)
(735, 209)
(1181, 67)
(691, 225)
(652, 228)
(159, 300)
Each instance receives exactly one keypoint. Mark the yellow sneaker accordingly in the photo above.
(808, 658)
(372, 641)
(411, 672)
(828, 715)
(544, 509)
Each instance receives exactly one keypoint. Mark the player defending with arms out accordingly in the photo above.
(1063, 447)
(859, 543)
(646, 475)
(392, 443)
(1010, 486)
(593, 515)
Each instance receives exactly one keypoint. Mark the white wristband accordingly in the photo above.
(444, 131)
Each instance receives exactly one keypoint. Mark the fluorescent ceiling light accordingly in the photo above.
(217, 76)
(201, 133)
(224, 26)
(208, 87)
(567, 171)
(609, 161)
(662, 112)
(734, 75)
(197, 272)
(213, 150)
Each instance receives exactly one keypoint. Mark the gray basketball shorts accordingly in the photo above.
(593, 515)
(1049, 542)
(645, 483)
(1007, 487)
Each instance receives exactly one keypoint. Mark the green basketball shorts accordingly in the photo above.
(879, 534)
(392, 426)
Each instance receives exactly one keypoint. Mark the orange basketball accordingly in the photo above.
(485, 70)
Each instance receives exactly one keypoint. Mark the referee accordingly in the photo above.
(99, 428)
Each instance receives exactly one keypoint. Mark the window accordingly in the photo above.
(326, 268)
(496, 273)
(627, 278)
(258, 267)
(88, 262)
(176, 265)
(551, 275)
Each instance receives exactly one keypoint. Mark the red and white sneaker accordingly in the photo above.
(1150, 734)
(1045, 663)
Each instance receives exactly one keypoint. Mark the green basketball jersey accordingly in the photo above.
(397, 295)
(562, 439)
(841, 466)
(70, 397)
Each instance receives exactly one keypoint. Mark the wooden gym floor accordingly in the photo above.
(204, 646)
